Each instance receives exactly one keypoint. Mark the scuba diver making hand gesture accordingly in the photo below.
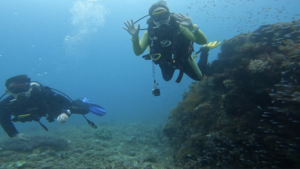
(185, 21)
(132, 30)
(170, 40)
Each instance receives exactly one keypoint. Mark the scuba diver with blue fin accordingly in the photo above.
(170, 40)
(30, 101)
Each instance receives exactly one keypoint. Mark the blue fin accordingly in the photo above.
(94, 108)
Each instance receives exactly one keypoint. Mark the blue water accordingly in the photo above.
(80, 48)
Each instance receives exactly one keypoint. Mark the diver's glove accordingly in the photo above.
(63, 117)
(132, 30)
(185, 21)
(94, 108)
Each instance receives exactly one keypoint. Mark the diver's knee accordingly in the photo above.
(167, 78)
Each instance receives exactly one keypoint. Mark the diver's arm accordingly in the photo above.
(197, 37)
(6, 123)
(57, 103)
(80, 106)
(62, 105)
(140, 46)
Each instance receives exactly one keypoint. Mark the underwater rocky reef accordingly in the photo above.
(245, 112)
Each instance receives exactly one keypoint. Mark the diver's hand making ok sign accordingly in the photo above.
(185, 21)
(132, 30)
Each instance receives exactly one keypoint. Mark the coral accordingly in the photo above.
(209, 81)
(257, 66)
(277, 57)
(192, 98)
(20, 164)
(228, 83)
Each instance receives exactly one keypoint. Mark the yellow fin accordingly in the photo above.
(213, 44)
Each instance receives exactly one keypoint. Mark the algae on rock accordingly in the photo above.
(244, 113)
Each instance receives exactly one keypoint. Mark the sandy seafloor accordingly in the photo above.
(118, 146)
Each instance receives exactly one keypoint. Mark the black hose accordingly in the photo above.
(2, 96)
(140, 19)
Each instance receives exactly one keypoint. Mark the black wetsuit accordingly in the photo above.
(42, 102)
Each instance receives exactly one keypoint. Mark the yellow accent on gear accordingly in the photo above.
(24, 115)
(212, 45)
(195, 56)
(159, 12)
(159, 55)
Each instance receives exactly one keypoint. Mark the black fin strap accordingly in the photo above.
(43, 125)
(90, 123)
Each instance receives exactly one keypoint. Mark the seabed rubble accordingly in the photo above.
(111, 146)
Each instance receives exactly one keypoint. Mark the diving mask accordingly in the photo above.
(161, 15)
(19, 91)
(18, 88)
(162, 22)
